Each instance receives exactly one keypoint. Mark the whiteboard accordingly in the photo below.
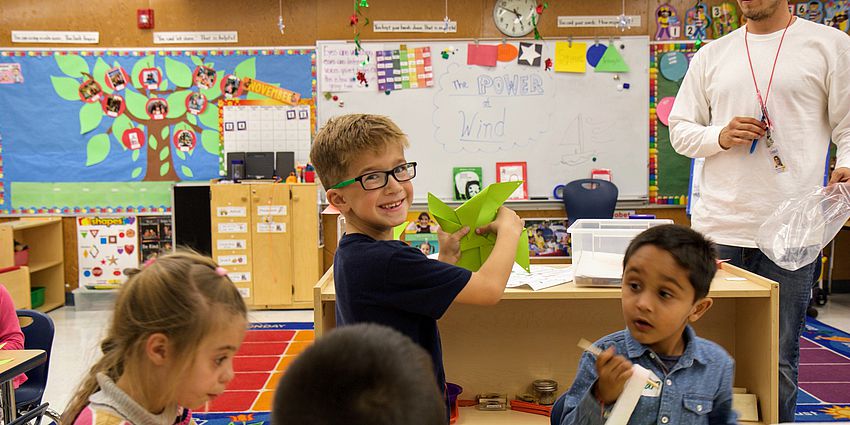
(562, 124)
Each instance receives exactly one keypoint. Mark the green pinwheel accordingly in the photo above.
(477, 212)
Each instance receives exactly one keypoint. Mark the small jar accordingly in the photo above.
(237, 167)
(545, 390)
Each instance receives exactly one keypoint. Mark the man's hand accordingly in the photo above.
(840, 175)
(741, 131)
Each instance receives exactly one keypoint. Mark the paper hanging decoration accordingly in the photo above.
(697, 22)
(535, 19)
(667, 22)
(725, 16)
(612, 61)
(530, 54)
(595, 53)
(354, 20)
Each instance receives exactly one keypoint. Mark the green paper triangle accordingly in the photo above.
(398, 230)
(612, 61)
(84, 234)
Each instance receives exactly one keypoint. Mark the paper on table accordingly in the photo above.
(598, 269)
(477, 212)
(541, 277)
(4, 361)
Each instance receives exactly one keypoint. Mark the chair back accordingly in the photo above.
(589, 198)
(38, 335)
(30, 415)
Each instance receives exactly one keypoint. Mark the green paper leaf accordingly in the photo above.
(72, 65)
(136, 154)
(165, 132)
(196, 60)
(180, 154)
(66, 88)
(90, 116)
(119, 125)
(192, 119)
(164, 153)
(152, 142)
(99, 74)
(186, 171)
(163, 169)
(177, 103)
(178, 72)
(163, 85)
(209, 117)
(210, 142)
(97, 149)
(144, 62)
(136, 172)
(248, 68)
(612, 61)
(136, 104)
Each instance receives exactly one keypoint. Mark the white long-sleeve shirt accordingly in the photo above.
(809, 104)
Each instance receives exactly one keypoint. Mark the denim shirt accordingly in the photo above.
(697, 390)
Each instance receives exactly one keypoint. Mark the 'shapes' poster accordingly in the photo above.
(106, 246)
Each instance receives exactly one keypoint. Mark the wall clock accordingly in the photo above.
(513, 17)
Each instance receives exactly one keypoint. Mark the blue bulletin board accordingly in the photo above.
(110, 131)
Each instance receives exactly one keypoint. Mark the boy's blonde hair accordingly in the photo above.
(345, 137)
(182, 295)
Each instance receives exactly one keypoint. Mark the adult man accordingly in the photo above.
(776, 87)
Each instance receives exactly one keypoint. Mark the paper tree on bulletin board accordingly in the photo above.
(166, 108)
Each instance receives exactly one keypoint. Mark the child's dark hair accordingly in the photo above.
(424, 215)
(363, 374)
(691, 250)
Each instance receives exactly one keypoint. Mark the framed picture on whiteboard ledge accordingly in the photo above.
(513, 171)
(548, 237)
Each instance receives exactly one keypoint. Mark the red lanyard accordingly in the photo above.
(763, 101)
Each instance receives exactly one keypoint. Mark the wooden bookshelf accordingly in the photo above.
(46, 264)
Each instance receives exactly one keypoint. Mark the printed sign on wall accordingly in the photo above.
(106, 246)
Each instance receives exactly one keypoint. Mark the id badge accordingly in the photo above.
(776, 160)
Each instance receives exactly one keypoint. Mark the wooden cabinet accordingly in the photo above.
(266, 236)
(533, 335)
(45, 267)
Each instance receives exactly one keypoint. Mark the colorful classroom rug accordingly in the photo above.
(824, 378)
(266, 352)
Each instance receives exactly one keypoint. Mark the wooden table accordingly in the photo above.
(22, 361)
(532, 335)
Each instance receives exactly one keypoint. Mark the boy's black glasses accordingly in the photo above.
(378, 179)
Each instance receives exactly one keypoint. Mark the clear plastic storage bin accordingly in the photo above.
(598, 246)
(94, 299)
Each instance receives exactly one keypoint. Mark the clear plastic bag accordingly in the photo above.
(800, 228)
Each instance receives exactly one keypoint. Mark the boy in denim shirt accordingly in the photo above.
(667, 274)
(360, 161)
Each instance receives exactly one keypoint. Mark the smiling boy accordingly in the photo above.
(667, 274)
(360, 161)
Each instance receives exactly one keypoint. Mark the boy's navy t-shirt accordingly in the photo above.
(396, 285)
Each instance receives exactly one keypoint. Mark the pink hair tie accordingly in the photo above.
(220, 271)
(149, 261)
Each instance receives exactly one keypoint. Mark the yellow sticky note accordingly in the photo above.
(570, 58)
